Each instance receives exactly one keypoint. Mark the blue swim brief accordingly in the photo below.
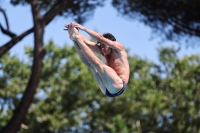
(118, 93)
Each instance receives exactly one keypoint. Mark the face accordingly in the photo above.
(105, 49)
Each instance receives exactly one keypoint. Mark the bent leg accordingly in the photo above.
(110, 78)
(106, 75)
(83, 59)
(94, 73)
(99, 81)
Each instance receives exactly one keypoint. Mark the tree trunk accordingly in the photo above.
(19, 115)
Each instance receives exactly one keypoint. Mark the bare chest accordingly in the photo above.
(119, 63)
(115, 61)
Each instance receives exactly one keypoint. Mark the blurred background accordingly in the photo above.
(44, 87)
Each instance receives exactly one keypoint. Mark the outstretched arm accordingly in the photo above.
(91, 44)
(100, 38)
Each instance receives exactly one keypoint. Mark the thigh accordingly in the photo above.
(98, 80)
(110, 78)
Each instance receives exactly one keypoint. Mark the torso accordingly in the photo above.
(118, 60)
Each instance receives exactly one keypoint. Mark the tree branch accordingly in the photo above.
(57, 9)
(15, 39)
(47, 18)
(5, 16)
(6, 31)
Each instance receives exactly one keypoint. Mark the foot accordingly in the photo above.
(73, 32)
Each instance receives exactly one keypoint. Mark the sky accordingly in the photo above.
(134, 35)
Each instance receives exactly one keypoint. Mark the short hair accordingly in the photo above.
(109, 36)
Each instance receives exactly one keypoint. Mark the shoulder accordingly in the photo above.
(116, 45)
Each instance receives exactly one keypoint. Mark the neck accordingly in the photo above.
(110, 52)
(108, 55)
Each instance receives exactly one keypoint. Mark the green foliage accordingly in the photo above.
(80, 10)
(161, 97)
(170, 19)
(13, 78)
